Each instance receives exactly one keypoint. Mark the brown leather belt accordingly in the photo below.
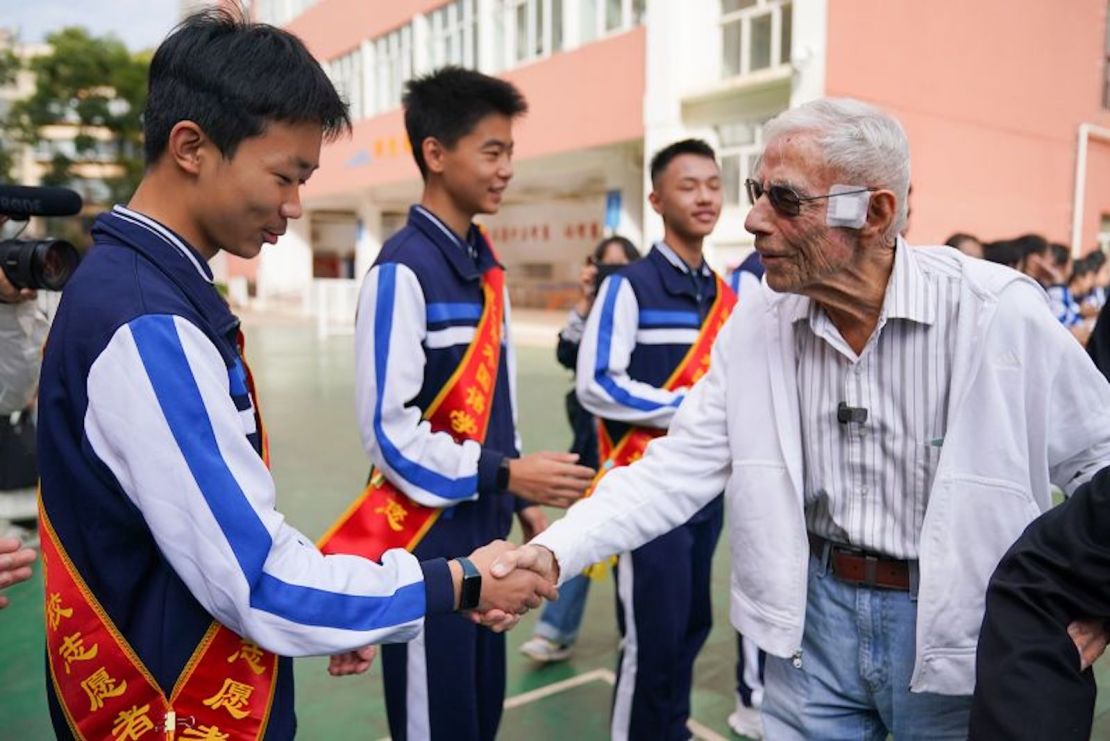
(862, 568)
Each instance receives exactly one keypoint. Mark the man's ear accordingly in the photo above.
(434, 153)
(186, 146)
(656, 203)
(881, 209)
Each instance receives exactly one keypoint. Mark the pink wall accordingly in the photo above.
(584, 98)
(991, 94)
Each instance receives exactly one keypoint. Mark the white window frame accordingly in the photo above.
(456, 21)
(346, 73)
(747, 152)
(630, 9)
(780, 58)
(393, 64)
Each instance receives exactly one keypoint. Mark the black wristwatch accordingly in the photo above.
(471, 590)
(503, 474)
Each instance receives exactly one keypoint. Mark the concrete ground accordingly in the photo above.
(305, 388)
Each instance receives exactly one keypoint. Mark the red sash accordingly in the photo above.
(383, 517)
(632, 445)
(225, 691)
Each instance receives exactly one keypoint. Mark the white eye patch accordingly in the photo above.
(848, 206)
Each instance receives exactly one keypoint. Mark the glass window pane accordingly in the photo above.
(521, 51)
(613, 14)
(730, 49)
(787, 32)
(761, 42)
(750, 165)
(730, 178)
(639, 9)
(729, 6)
(735, 134)
(587, 16)
(556, 25)
(537, 43)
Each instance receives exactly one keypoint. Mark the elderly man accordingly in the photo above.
(885, 420)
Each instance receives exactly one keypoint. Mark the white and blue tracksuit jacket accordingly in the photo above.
(153, 478)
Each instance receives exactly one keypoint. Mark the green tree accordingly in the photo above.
(95, 85)
(9, 68)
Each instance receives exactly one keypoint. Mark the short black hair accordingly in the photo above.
(232, 78)
(959, 237)
(1060, 254)
(447, 104)
(630, 252)
(1031, 244)
(1003, 251)
(665, 155)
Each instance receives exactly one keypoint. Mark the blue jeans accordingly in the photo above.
(560, 619)
(857, 659)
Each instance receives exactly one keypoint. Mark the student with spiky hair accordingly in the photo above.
(645, 343)
(435, 392)
(174, 588)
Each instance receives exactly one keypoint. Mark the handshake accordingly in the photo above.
(515, 579)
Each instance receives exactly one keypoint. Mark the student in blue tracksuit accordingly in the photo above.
(151, 451)
(417, 313)
(642, 325)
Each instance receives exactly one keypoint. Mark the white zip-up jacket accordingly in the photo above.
(1027, 409)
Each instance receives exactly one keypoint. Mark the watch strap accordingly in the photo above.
(471, 590)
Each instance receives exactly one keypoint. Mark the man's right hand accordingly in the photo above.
(512, 596)
(9, 294)
(533, 558)
(554, 479)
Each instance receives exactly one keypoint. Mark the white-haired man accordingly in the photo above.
(884, 419)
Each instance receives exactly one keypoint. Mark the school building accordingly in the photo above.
(1007, 108)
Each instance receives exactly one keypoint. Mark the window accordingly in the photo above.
(392, 66)
(600, 17)
(1106, 63)
(277, 12)
(755, 35)
(740, 146)
(453, 35)
(529, 29)
(346, 74)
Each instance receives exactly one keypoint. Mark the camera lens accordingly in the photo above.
(38, 264)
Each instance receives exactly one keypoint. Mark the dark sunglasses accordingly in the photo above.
(785, 199)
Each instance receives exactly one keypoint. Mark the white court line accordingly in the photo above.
(603, 675)
(597, 675)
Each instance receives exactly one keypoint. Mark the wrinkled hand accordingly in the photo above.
(513, 595)
(1090, 637)
(352, 662)
(554, 479)
(15, 564)
(533, 521)
(532, 558)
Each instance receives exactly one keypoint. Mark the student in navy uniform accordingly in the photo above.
(152, 454)
(644, 322)
(417, 313)
(556, 631)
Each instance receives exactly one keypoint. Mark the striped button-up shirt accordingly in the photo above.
(867, 483)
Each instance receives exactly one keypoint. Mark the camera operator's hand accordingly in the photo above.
(9, 294)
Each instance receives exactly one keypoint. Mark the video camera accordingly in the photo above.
(38, 263)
